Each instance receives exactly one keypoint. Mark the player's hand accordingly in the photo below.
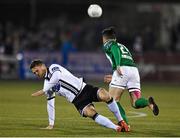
(107, 78)
(49, 127)
(119, 70)
(33, 94)
(38, 93)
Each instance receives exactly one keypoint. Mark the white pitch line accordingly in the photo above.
(137, 114)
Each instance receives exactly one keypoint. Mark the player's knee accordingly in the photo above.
(104, 95)
(136, 94)
(116, 95)
(89, 111)
(94, 116)
(116, 98)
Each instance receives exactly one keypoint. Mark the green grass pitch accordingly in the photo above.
(23, 116)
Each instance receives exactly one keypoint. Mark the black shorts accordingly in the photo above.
(86, 97)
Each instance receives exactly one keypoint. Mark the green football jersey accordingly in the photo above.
(118, 54)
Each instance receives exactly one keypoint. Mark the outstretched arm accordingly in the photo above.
(50, 106)
(50, 109)
(38, 93)
(50, 87)
(51, 113)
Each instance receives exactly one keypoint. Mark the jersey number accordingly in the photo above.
(123, 49)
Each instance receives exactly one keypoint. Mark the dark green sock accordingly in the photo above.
(122, 112)
(141, 103)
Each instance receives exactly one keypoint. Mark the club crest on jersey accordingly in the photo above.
(55, 69)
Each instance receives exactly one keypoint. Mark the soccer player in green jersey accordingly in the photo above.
(125, 74)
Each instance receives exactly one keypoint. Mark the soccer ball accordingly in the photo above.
(94, 11)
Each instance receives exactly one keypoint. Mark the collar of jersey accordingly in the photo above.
(108, 41)
(47, 73)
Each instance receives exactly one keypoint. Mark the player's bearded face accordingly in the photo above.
(39, 71)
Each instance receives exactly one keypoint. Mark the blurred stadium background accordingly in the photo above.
(61, 32)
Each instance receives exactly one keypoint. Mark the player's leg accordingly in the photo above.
(133, 86)
(137, 101)
(116, 88)
(104, 96)
(90, 111)
(116, 93)
(83, 104)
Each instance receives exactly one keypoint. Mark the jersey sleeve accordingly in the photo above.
(50, 94)
(116, 53)
(105, 48)
(51, 111)
(48, 85)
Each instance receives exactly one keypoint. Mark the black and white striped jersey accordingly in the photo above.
(63, 82)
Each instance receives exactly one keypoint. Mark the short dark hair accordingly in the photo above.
(35, 63)
(109, 33)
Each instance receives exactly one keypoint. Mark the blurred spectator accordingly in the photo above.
(137, 46)
(175, 37)
(84, 35)
(1, 39)
(1, 46)
(66, 47)
(148, 39)
(9, 49)
(124, 37)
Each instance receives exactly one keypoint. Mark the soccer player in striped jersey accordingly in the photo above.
(125, 74)
(60, 81)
